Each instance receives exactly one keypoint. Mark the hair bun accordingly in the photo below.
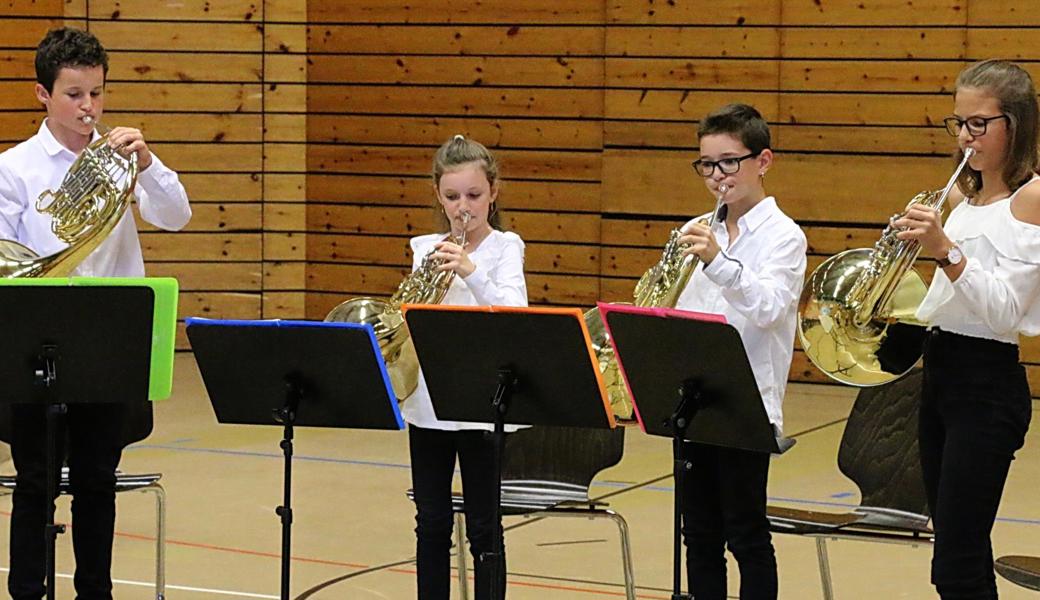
(459, 138)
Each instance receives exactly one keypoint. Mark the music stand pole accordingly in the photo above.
(46, 375)
(718, 400)
(287, 416)
(64, 345)
(685, 409)
(500, 405)
(532, 358)
(293, 374)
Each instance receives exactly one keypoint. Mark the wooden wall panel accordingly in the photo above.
(191, 76)
(855, 91)
(458, 11)
(303, 131)
(387, 84)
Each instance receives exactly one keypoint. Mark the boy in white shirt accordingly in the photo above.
(752, 270)
(71, 66)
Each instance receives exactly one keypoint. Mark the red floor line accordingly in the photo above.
(319, 561)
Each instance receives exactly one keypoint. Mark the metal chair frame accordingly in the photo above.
(863, 526)
(145, 483)
(546, 473)
(878, 452)
(545, 499)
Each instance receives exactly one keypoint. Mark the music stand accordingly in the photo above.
(68, 345)
(294, 373)
(530, 366)
(690, 380)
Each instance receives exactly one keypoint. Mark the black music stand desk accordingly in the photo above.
(291, 373)
(69, 344)
(524, 366)
(690, 380)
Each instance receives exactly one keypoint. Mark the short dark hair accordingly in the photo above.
(67, 47)
(742, 121)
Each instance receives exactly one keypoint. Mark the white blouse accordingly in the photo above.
(995, 296)
(497, 281)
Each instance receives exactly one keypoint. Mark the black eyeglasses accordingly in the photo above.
(976, 125)
(728, 166)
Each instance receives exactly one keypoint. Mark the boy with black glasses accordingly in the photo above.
(752, 269)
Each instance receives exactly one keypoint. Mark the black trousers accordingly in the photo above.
(975, 411)
(433, 453)
(724, 499)
(94, 434)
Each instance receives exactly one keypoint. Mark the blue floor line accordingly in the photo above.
(386, 465)
(278, 455)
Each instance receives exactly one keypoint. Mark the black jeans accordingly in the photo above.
(975, 411)
(724, 498)
(94, 434)
(433, 453)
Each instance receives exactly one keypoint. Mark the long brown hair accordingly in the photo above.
(454, 153)
(1013, 88)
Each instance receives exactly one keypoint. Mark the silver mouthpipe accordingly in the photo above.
(466, 216)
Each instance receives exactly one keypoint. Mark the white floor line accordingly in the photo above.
(183, 588)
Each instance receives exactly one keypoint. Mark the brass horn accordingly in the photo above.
(86, 207)
(857, 312)
(425, 285)
(660, 286)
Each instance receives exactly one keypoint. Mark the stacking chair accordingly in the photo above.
(137, 425)
(546, 472)
(1020, 570)
(879, 453)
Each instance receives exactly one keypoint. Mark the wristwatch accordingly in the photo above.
(952, 257)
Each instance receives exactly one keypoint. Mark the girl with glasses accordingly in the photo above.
(975, 407)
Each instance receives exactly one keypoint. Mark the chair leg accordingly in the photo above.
(160, 538)
(626, 555)
(460, 556)
(825, 568)
(599, 513)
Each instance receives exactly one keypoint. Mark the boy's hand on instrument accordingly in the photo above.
(129, 140)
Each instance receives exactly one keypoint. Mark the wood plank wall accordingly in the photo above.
(593, 107)
(194, 76)
(304, 130)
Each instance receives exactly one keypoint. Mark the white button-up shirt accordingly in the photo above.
(755, 282)
(40, 163)
(497, 281)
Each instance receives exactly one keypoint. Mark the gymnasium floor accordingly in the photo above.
(354, 524)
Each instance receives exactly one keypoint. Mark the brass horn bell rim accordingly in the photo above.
(884, 349)
(395, 343)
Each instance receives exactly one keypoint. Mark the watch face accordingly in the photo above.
(954, 255)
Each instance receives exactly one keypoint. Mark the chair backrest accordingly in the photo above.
(879, 449)
(570, 455)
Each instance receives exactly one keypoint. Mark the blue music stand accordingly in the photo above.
(292, 373)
